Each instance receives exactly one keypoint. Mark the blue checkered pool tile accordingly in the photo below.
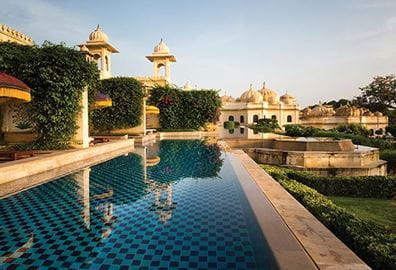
(176, 205)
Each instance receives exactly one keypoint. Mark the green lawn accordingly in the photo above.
(378, 210)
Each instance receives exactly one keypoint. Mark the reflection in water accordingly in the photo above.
(125, 210)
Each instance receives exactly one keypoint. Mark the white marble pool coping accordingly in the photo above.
(19, 175)
(314, 240)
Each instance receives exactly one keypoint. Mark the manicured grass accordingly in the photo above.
(377, 210)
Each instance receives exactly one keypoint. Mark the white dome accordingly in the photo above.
(98, 35)
(287, 99)
(227, 99)
(161, 47)
(251, 96)
(269, 95)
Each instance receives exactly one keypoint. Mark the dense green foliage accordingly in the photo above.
(231, 124)
(353, 128)
(380, 211)
(379, 95)
(375, 244)
(57, 76)
(338, 103)
(295, 130)
(127, 98)
(301, 131)
(388, 155)
(185, 109)
(391, 129)
(265, 125)
(354, 186)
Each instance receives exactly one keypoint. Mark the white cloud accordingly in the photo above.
(42, 20)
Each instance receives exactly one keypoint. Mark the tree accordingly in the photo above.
(379, 95)
(265, 125)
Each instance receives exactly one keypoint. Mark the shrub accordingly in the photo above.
(231, 124)
(357, 139)
(353, 128)
(127, 98)
(265, 125)
(353, 186)
(296, 130)
(185, 109)
(391, 129)
(373, 243)
(57, 76)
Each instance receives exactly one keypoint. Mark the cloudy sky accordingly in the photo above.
(314, 49)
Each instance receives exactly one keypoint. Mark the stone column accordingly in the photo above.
(81, 138)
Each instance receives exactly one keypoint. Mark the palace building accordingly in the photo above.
(253, 105)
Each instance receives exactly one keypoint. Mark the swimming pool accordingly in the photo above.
(175, 205)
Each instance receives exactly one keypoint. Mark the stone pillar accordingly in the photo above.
(5, 111)
(167, 71)
(144, 116)
(81, 138)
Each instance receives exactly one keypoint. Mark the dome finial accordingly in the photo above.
(97, 27)
(251, 87)
(263, 84)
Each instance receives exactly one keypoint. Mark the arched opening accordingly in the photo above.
(161, 69)
(230, 118)
(242, 119)
(231, 131)
(107, 63)
(273, 117)
(255, 131)
(255, 118)
(242, 130)
(96, 58)
(289, 119)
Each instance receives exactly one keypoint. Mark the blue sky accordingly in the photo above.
(314, 49)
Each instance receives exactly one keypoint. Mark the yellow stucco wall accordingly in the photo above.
(8, 34)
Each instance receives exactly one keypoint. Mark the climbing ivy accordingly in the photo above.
(127, 98)
(185, 109)
(57, 76)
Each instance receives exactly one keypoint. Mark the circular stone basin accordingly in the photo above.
(314, 144)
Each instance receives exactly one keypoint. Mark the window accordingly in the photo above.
(255, 131)
(231, 131)
(273, 117)
(242, 119)
(289, 119)
(230, 118)
(242, 130)
(255, 118)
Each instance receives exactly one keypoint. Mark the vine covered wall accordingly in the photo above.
(127, 109)
(57, 76)
(185, 109)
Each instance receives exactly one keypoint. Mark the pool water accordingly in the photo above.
(175, 205)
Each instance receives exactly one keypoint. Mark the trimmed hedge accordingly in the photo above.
(185, 109)
(127, 98)
(373, 243)
(351, 186)
(301, 131)
(231, 124)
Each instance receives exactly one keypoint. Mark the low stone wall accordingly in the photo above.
(324, 163)
(189, 135)
(37, 170)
